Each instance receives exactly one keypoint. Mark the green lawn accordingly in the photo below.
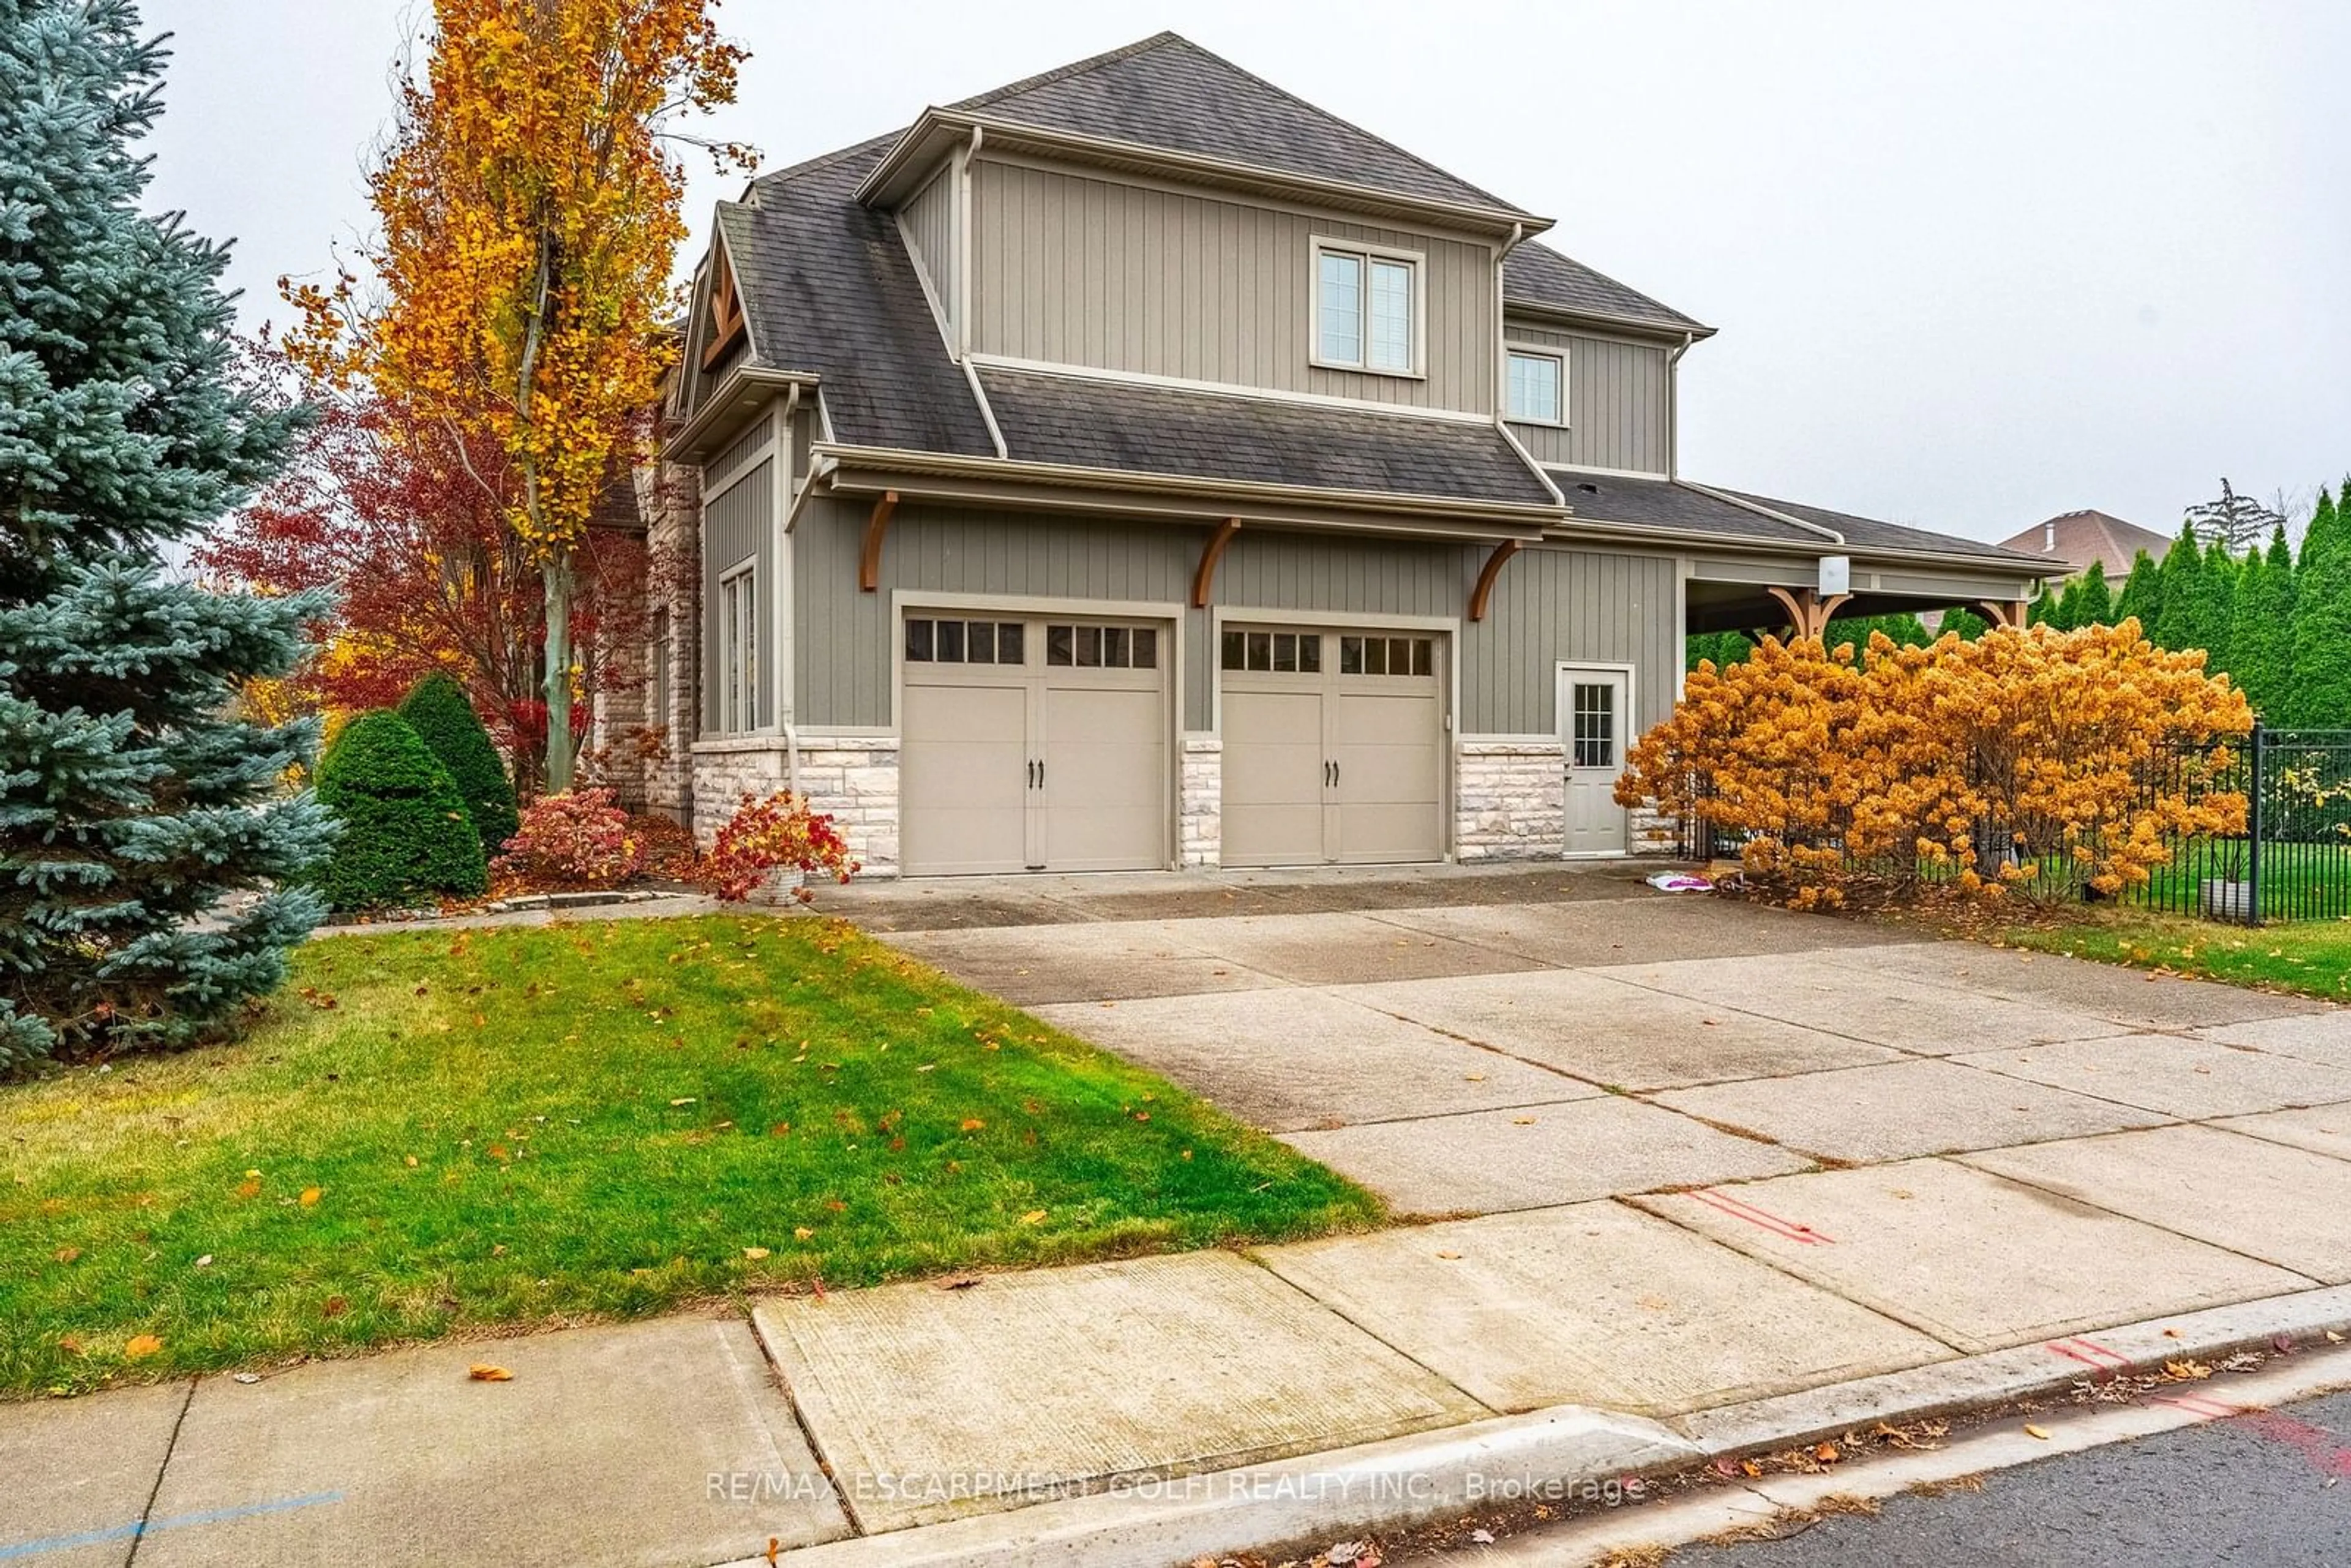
(442, 1132)
(2312, 958)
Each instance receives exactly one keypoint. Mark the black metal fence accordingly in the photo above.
(2292, 861)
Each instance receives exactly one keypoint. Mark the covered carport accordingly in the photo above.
(1753, 564)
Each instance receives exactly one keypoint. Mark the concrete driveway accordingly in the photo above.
(1466, 1043)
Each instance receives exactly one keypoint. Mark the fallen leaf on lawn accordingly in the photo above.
(483, 1372)
(972, 1123)
(928, 1067)
(205, 1261)
(334, 1307)
(2040, 1432)
(140, 1347)
(68, 1254)
(755, 1253)
(249, 1187)
(687, 1101)
(310, 1196)
(802, 1233)
(780, 1130)
(70, 1344)
(1034, 1217)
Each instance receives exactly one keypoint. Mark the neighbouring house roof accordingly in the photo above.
(1166, 91)
(1541, 278)
(1675, 505)
(1079, 423)
(2070, 541)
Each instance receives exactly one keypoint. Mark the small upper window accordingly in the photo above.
(1535, 389)
(1365, 309)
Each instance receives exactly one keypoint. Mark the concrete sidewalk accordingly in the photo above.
(1703, 1176)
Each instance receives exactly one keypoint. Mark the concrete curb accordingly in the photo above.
(1564, 1453)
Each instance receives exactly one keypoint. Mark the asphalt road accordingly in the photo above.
(2259, 1490)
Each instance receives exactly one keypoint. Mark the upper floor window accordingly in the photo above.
(1536, 383)
(1366, 310)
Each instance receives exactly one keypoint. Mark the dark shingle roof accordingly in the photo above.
(1086, 424)
(1536, 275)
(829, 287)
(1169, 93)
(1670, 504)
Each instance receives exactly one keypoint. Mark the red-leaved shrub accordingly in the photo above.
(577, 839)
(765, 836)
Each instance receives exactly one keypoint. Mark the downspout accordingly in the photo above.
(1502, 374)
(1674, 406)
(780, 539)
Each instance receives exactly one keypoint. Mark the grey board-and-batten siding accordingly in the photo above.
(1619, 402)
(739, 525)
(1550, 604)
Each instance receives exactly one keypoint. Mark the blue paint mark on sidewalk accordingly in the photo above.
(176, 1521)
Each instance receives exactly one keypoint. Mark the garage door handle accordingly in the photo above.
(1041, 774)
(1032, 774)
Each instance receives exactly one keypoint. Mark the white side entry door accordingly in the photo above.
(1594, 713)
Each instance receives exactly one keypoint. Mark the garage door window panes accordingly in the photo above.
(1102, 647)
(1595, 725)
(930, 642)
(1276, 653)
(1386, 656)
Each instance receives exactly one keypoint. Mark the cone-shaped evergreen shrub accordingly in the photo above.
(438, 711)
(406, 839)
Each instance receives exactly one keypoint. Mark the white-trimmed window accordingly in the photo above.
(1366, 310)
(738, 649)
(1537, 387)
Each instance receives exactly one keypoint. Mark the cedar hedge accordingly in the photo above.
(437, 709)
(406, 838)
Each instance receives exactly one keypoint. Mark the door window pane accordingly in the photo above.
(1424, 656)
(1146, 648)
(1350, 655)
(1261, 649)
(1595, 728)
(1235, 652)
(918, 641)
(1391, 315)
(950, 643)
(1061, 644)
(1376, 655)
(1011, 642)
(1090, 647)
(1115, 644)
(1285, 654)
(1310, 653)
(980, 639)
(1342, 309)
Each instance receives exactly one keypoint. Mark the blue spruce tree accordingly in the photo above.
(146, 836)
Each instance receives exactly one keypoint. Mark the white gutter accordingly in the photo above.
(950, 465)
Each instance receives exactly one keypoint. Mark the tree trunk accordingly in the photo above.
(557, 573)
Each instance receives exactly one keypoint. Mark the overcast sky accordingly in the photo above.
(1971, 268)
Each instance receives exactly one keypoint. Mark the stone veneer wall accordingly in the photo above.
(674, 551)
(1506, 798)
(1199, 822)
(853, 778)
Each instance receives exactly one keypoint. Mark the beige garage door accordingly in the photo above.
(1334, 746)
(1033, 745)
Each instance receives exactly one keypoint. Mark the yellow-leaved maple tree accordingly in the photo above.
(2068, 760)
(530, 214)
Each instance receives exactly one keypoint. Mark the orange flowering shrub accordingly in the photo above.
(2058, 759)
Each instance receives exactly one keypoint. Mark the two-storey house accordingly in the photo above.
(1136, 466)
